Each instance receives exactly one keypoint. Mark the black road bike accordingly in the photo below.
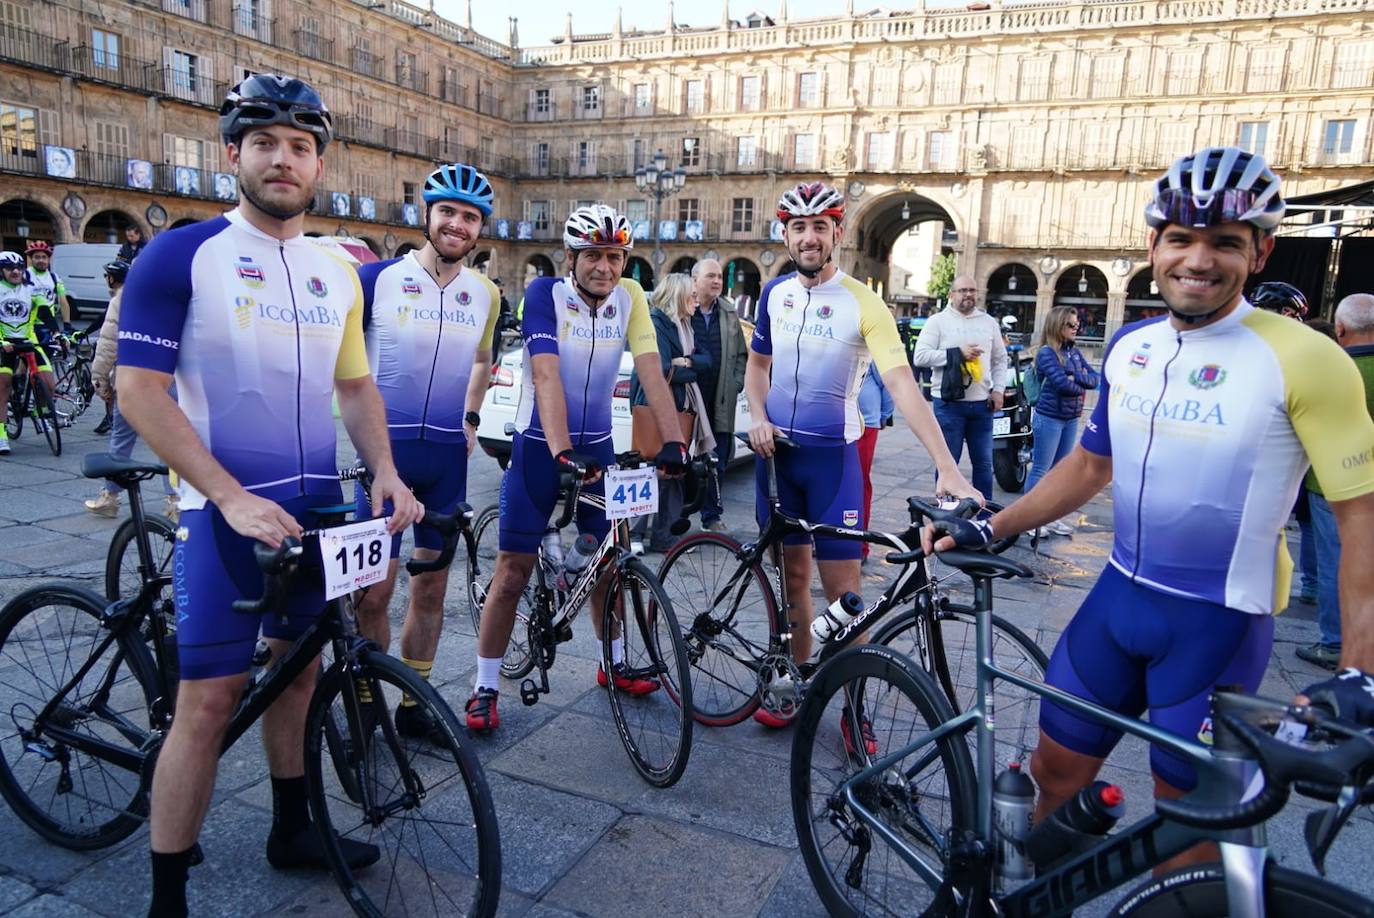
(31, 399)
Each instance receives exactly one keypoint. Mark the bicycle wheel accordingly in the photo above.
(425, 802)
(728, 615)
(45, 417)
(53, 771)
(952, 664)
(922, 798)
(122, 577)
(518, 661)
(19, 406)
(656, 727)
(1200, 892)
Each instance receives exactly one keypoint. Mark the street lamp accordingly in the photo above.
(1083, 282)
(906, 211)
(1011, 283)
(654, 178)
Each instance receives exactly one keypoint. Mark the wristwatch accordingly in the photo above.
(473, 418)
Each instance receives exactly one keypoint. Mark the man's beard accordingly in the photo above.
(251, 188)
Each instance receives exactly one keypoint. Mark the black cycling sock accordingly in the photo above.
(290, 808)
(169, 883)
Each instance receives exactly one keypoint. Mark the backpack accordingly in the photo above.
(1031, 384)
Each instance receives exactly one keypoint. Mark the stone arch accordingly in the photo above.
(787, 267)
(478, 261)
(1012, 289)
(1084, 287)
(107, 226)
(1142, 296)
(639, 269)
(187, 221)
(405, 248)
(374, 245)
(538, 265)
(877, 223)
(683, 265)
(24, 219)
(742, 274)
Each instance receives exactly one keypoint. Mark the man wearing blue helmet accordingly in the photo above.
(429, 322)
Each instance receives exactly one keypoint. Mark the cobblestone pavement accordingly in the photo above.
(580, 833)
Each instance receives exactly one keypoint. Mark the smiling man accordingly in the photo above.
(1208, 418)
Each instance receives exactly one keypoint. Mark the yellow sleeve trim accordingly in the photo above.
(1326, 404)
(878, 327)
(352, 360)
(640, 329)
(493, 313)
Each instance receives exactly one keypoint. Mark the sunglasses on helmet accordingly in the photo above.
(1228, 206)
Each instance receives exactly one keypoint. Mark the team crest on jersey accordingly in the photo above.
(243, 310)
(609, 311)
(249, 272)
(1208, 376)
(464, 298)
(1204, 733)
(572, 305)
(402, 315)
(851, 517)
(1140, 359)
(788, 302)
(410, 288)
(824, 312)
(317, 287)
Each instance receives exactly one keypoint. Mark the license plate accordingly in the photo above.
(1001, 426)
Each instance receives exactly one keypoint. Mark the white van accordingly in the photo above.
(81, 267)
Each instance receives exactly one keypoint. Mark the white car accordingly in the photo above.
(503, 398)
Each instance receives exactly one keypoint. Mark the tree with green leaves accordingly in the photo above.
(941, 277)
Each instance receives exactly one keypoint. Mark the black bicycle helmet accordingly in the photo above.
(266, 98)
(1280, 297)
(118, 269)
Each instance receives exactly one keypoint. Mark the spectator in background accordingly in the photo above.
(1355, 333)
(716, 329)
(875, 404)
(133, 243)
(1064, 377)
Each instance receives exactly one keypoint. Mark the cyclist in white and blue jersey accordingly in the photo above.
(260, 329)
(428, 322)
(575, 329)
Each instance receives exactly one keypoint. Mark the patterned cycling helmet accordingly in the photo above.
(118, 269)
(266, 98)
(1215, 186)
(1280, 297)
(459, 182)
(811, 199)
(597, 226)
(11, 260)
(38, 245)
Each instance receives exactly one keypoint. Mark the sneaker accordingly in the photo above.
(716, 526)
(771, 720)
(106, 504)
(866, 728)
(306, 850)
(481, 710)
(171, 507)
(416, 722)
(104, 426)
(1323, 655)
(1059, 529)
(630, 685)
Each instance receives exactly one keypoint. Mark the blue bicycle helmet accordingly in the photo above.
(459, 182)
(265, 98)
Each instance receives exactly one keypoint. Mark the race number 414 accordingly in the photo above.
(630, 493)
(354, 556)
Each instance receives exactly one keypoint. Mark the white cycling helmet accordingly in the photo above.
(597, 226)
(1214, 186)
(1008, 323)
(12, 260)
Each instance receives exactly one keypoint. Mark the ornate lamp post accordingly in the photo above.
(656, 179)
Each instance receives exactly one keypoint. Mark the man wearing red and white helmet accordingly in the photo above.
(45, 281)
(818, 330)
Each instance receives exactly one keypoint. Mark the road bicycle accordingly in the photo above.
(74, 391)
(738, 635)
(906, 825)
(31, 398)
(125, 570)
(88, 695)
(655, 728)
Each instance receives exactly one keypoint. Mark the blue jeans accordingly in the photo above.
(1054, 440)
(971, 421)
(725, 451)
(1328, 562)
(1307, 557)
(122, 440)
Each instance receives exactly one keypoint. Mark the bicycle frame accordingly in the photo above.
(1223, 777)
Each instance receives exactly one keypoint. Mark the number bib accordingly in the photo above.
(354, 556)
(631, 493)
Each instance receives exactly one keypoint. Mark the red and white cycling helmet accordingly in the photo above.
(811, 199)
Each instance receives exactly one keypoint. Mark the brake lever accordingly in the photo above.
(1322, 826)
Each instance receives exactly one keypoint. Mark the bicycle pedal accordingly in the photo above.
(529, 692)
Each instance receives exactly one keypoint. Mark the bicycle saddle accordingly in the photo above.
(122, 472)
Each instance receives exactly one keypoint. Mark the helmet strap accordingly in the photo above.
(588, 297)
(438, 257)
(1193, 320)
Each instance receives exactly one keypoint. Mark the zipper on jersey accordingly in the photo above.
(433, 364)
(296, 320)
(587, 378)
(796, 372)
(1145, 459)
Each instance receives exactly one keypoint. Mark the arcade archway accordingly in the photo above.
(1142, 297)
(888, 241)
(742, 276)
(22, 220)
(538, 266)
(107, 226)
(1011, 291)
(637, 269)
(1084, 288)
(683, 265)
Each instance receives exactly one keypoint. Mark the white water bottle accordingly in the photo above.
(839, 613)
(552, 544)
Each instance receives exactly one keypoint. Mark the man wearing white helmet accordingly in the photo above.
(1208, 418)
(575, 329)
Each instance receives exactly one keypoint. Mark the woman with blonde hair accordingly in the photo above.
(1064, 377)
(681, 360)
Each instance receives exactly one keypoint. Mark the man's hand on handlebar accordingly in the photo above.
(953, 484)
(259, 518)
(1348, 695)
(578, 465)
(942, 535)
(672, 460)
(761, 437)
(405, 509)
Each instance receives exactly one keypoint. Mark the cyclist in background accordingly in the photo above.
(46, 282)
(22, 307)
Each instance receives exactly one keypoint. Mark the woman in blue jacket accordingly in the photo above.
(1064, 377)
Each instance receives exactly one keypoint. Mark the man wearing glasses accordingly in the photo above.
(962, 345)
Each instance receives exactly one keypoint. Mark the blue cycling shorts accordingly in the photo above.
(529, 493)
(212, 565)
(437, 473)
(1131, 648)
(819, 484)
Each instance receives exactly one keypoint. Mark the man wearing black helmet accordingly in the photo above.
(1280, 297)
(260, 328)
(1207, 420)
(429, 323)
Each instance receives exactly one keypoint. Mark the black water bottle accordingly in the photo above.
(1077, 825)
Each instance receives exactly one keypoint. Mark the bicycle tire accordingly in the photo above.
(659, 751)
(19, 406)
(951, 665)
(719, 637)
(924, 797)
(438, 774)
(122, 578)
(517, 661)
(66, 795)
(45, 413)
(1200, 892)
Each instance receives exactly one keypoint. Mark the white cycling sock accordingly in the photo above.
(488, 673)
(617, 651)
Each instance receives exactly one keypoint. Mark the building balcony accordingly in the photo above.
(364, 63)
(313, 46)
(453, 91)
(415, 142)
(100, 66)
(36, 49)
(191, 9)
(249, 22)
(408, 77)
(190, 87)
(360, 130)
(541, 111)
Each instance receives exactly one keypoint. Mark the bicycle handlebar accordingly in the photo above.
(448, 527)
(920, 509)
(570, 483)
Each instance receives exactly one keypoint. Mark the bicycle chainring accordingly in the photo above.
(781, 684)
